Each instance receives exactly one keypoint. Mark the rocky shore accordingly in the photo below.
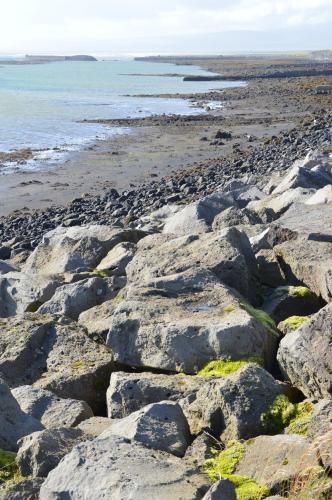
(174, 341)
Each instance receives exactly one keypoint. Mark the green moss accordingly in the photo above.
(247, 488)
(229, 309)
(262, 317)
(295, 322)
(77, 365)
(302, 418)
(300, 291)
(100, 273)
(284, 415)
(9, 472)
(223, 466)
(225, 367)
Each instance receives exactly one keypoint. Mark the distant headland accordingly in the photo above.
(44, 59)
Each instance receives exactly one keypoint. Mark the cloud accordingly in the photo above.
(28, 25)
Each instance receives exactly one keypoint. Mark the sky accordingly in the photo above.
(163, 26)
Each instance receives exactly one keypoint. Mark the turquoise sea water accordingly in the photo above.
(41, 105)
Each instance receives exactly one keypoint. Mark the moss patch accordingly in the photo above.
(9, 472)
(100, 273)
(262, 317)
(284, 415)
(295, 322)
(229, 309)
(300, 291)
(247, 488)
(223, 466)
(225, 367)
(225, 461)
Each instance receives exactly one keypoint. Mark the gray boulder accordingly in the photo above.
(202, 448)
(198, 216)
(288, 301)
(41, 452)
(24, 490)
(56, 355)
(21, 292)
(72, 300)
(222, 490)
(232, 407)
(14, 423)
(321, 421)
(275, 461)
(6, 268)
(321, 196)
(116, 261)
(226, 253)
(161, 426)
(279, 203)
(181, 322)
(312, 172)
(305, 356)
(49, 409)
(269, 270)
(114, 467)
(129, 392)
(95, 426)
(323, 446)
(76, 248)
(234, 216)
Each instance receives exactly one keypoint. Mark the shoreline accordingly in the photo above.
(163, 146)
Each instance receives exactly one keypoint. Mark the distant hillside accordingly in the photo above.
(41, 59)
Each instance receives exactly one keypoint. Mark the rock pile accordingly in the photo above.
(187, 357)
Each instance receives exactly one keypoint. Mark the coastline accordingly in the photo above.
(161, 146)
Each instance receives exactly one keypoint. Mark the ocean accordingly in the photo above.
(41, 105)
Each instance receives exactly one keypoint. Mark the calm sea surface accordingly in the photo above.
(40, 105)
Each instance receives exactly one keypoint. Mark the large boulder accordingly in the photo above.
(321, 196)
(71, 300)
(312, 172)
(129, 392)
(49, 409)
(14, 423)
(222, 490)
(198, 216)
(232, 407)
(23, 490)
(56, 355)
(6, 268)
(41, 452)
(161, 426)
(279, 203)
(288, 301)
(275, 461)
(114, 467)
(76, 248)
(116, 261)
(226, 253)
(234, 216)
(305, 356)
(22, 292)
(181, 322)
(302, 241)
(321, 421)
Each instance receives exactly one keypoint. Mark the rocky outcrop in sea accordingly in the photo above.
(185, 355)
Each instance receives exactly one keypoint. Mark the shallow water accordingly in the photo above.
(41, 105)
